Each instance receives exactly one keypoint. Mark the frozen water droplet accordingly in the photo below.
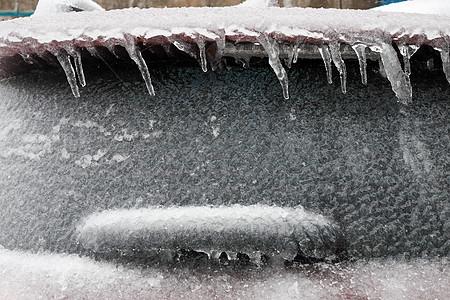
(27, 58)
(64, 60)
(446, 63)
(399, 80)
(273, 52)
(245, 60)
(362, 58)
(76, 54)
(326, 56)
(335, 49)
(201, 48)
(136, 56)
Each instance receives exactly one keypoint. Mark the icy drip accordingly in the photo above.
(273, 52)
(335, 49)
(399, 80)
(111, 49)
(406, 63)
(362, 58)
(445, 56)
(326, 56)
(64, 61)
(291, 51)
(221, 44)
(136, 56)
(295, 58)
(76, 54)
(92, 51)
(185, 47)
(27, 58)
(407, 52)
(245, 60)
(201, 48)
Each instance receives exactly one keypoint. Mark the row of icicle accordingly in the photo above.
(398, 77)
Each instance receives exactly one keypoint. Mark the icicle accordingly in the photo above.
(273, 52)
(381, 69)
(446, 63)
(335, 49)
(64, 60)
(136, 56)
(399, 80)
(221, 43)
(203, 62)
(295, 58)
(406, 63)
(290, 50)
(76, 54)
(407, 52)
(326, 56)
(362, 58)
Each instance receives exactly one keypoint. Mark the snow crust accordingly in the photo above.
(206, 228)
(284, 24)
(57, 276)
(439, 7)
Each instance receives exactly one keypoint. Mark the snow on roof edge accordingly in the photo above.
(156, 25)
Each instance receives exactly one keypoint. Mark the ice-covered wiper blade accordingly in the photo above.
(253, 230)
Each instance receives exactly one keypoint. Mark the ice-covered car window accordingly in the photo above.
(234, 152)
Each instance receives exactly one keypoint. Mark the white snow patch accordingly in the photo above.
(260, 3)
(59, 276)
(439, 7)
(49, 7)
